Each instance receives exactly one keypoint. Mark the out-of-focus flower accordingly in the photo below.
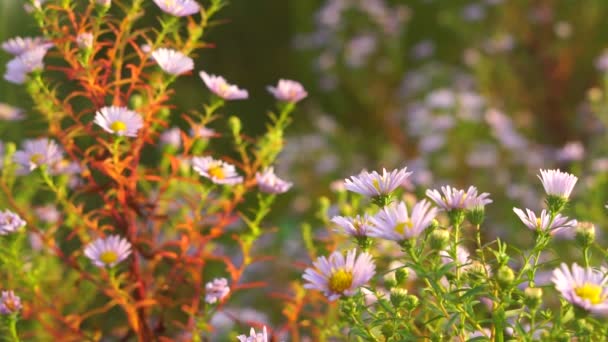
(339, 276)
(18, 45)
(9, 303)
(216, 290)
(462, 257)
(108, 252)
(601, 62)
(394, 223)
(544, 222)
(353, 226)
(572, 151)
(563, 29)
(19, 67)
(10, 113)
(173, 62)
(104, 2)
(36, 153)
(453, 198)
(557, 183)
(473, 12)
(84, 40)
(253, 337)
(48, 213)
(35, 5)
(221, 88)
(217, 171)
(375, 184)
(583, 287)
(171, 137)
(10, 222)
(423, 49)
(359, 49)
(288, 91)
(119, 120)
(178, 8)
(269, 182)
(200, 131)
(441, 99)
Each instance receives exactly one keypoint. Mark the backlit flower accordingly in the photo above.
(583, 287)
(353, 226)
(178, 8)
(453, 198)
(108, 252)
(216, 290)
(253, 337)
(375, 184)
(9, 303)
(544, 222)
(288, 91)
(19, 67)
(10, 222)
(84, 40)
(18, 45)
(172, 62)
(217, 171)
(557, 183)
(394, 223)
(36, 153)
(221, 88)
(119, 120)
(340, 276)
(269, 182)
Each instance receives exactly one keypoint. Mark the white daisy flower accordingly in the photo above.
(173, 62)
(220, 87)
(394, 223)
(108, 252)
(18, 45)
(269, 182)
(36, 153)
(375, 184)
(288, 91)
(453, 198)
(557, 183)
(558, 225)
(253, 337)
(19, 67)
(216, 290)
(353, 226)
(178, 8)
(119, 120)
(10, 113)
(217, 171)
(583, 287)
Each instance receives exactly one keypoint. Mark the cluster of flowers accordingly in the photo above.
(342, 276)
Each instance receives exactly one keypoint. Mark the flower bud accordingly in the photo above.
(388, 330)
(456, 216)
(505, 275)
(476, 215)
(585, 234)
(439, 239)
(434, 224)
(235, 125)
(411, 302)
(398, 297)
(555, 204)
(401, 275)
(533, 296)
(390, 280)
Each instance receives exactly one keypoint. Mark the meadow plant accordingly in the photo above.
(115, 225)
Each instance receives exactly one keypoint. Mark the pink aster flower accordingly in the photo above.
(119, 120)
(453, 198)
(394, 223)
(288, 91)
(9, 303)
(375, 184)
(18, 45)
(48, 213)
(353, 226)
(172, 61)
(339, 276)
(36, 153)
(217, 171)
(19, 67)
(216, 290)
(10, 113)
(10, 222)
(583, 287)
(544, 223)
(557, 183)
(253, 337)
(171, 137)
(178, 8)
(269, 182)
(221, 88)
(108, 251)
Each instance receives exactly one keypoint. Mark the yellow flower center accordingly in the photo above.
(538, 223)
(400, 227)
(216, 172)
(118, 126)
(590, 292)
(108, 257)
(340, 280)
(36, 158)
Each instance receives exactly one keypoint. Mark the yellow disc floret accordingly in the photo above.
(590, 292)
(216, 172)
(108, 257)
(118, 126)
(340, 280)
